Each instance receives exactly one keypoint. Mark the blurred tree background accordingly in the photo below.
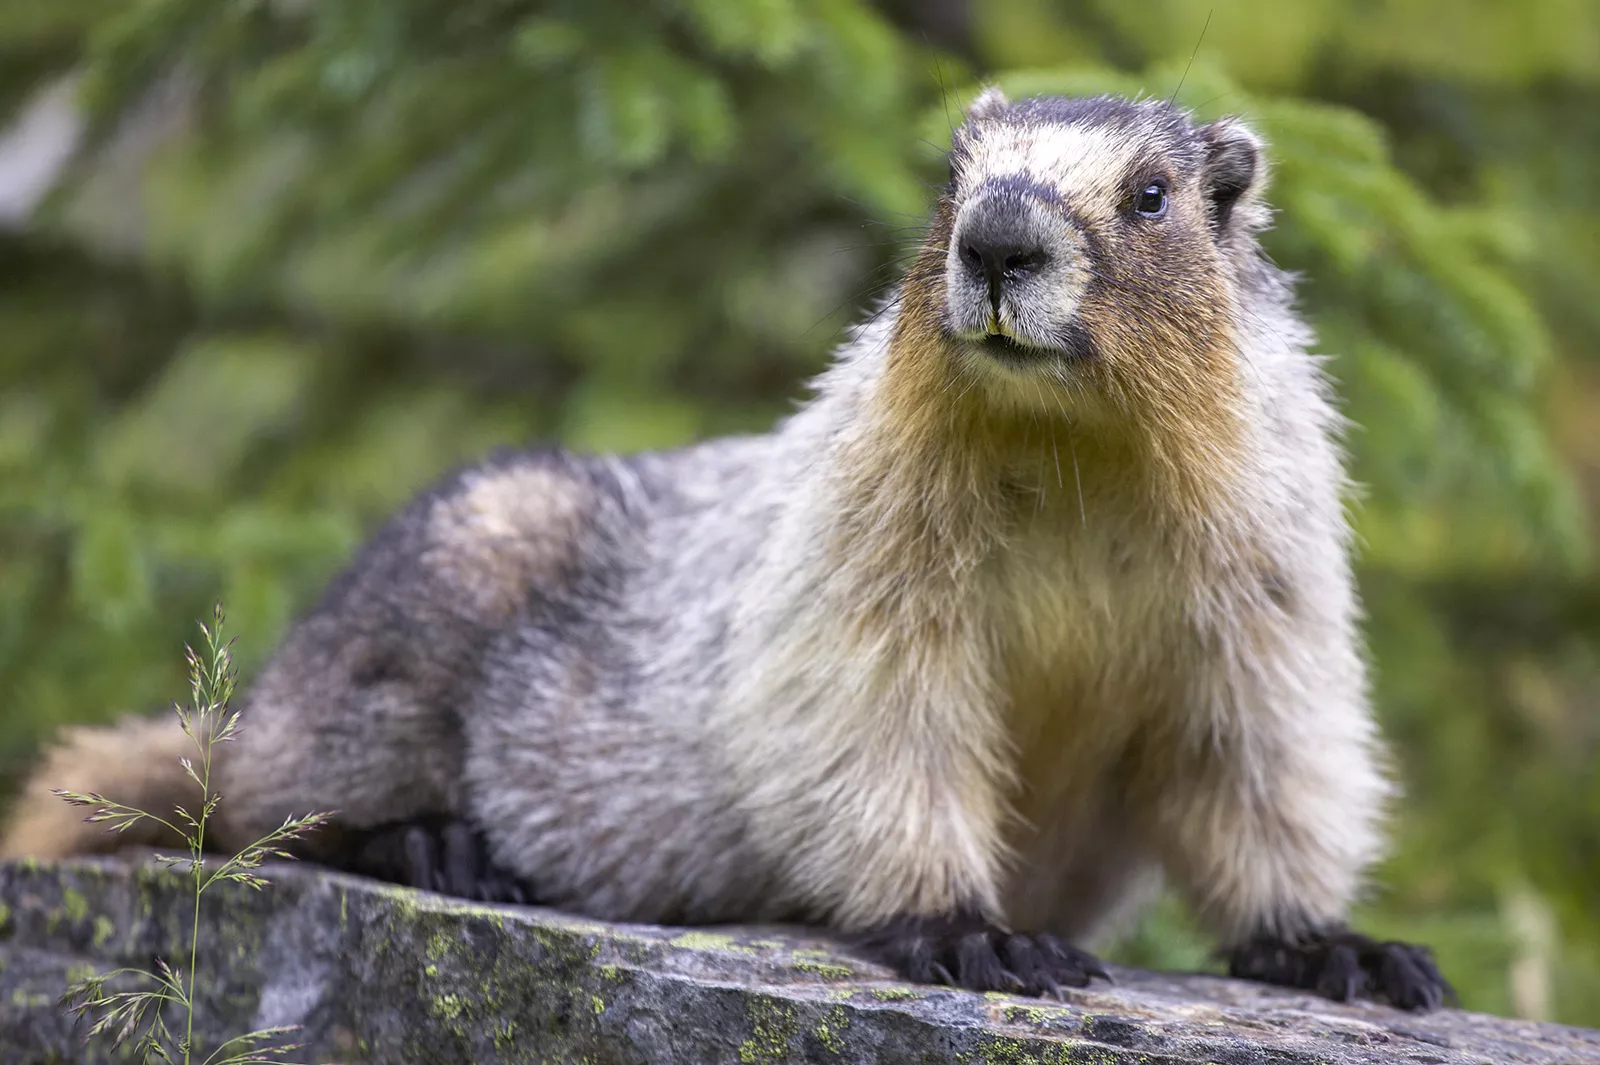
(309, 253)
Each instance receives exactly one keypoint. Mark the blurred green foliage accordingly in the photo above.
(316, 252)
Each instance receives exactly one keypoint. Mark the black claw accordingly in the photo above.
(968, 951)
(1341, 965)
(1341, 976)
(422, 858)
(1073, 967)
(1409, 978)
(461, 865)
(1027, 966)
(502, 887)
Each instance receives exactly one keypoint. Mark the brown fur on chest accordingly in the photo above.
(1091, 629)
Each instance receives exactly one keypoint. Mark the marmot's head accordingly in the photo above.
(1086, 242)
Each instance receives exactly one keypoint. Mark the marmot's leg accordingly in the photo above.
(897, 835)
(1267, 817)
(347, 724)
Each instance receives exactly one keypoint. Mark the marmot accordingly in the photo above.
(1045, 593)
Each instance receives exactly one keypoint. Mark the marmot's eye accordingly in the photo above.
(1152, 201)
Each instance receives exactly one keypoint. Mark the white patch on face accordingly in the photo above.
(1024, 388)
(1084, 164)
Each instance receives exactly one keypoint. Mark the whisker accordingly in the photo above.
(1083, 511)
(1192, 54)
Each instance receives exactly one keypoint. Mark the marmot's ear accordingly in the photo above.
(1234, 167)
(990, 102)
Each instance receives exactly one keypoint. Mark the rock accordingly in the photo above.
(374, 973)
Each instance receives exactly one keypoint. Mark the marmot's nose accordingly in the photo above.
(1006, 235)
(997, 262)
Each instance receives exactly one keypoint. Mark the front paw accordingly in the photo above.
(964, 950)
(437, 853)
(1342, 965)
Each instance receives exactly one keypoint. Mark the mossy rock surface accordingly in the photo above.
(379, 974)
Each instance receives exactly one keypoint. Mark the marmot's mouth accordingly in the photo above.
(1006, 348)
(1072, 345)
